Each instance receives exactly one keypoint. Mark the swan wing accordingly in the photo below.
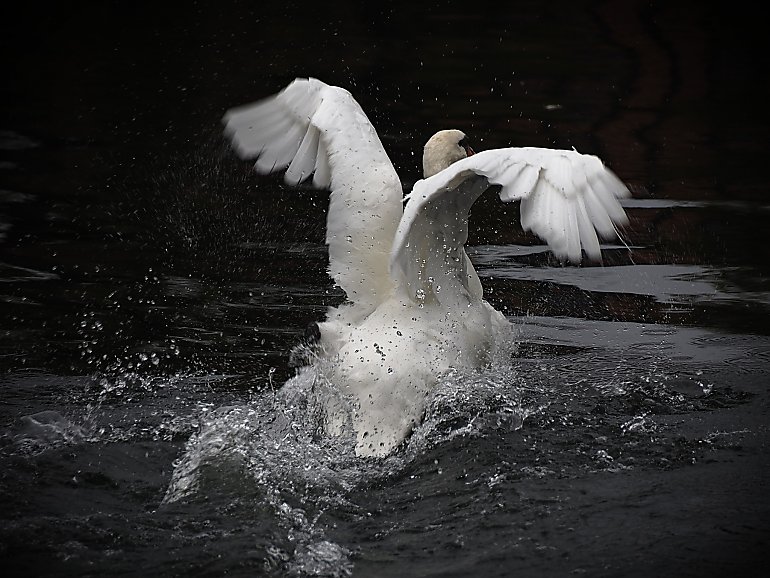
(568, 199)
(311, 128)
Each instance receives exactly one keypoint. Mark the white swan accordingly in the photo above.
(415, 304)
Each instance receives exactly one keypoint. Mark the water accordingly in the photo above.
(153, 289)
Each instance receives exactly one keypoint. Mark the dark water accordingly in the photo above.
(152, 287)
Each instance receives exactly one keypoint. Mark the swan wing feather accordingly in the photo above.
(312, 128)
(566, 199)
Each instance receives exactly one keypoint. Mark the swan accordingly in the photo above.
(415, 307)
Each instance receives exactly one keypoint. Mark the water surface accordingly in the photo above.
(152, 288)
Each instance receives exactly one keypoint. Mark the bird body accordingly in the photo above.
(415, 307)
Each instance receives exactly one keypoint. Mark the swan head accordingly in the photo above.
(442, 149)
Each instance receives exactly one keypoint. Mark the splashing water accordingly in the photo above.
(276, 443)
(539, 417)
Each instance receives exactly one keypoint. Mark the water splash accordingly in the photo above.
(276, 443)
(44, 430)
(556, 416)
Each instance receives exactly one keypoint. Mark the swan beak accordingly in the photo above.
(469, 151)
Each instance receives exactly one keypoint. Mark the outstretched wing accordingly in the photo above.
(313, 128)
(566, 199)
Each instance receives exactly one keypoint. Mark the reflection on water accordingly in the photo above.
(152, 288)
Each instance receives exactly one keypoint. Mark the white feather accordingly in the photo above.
(312, 127)
(566, 197)
(304, 162)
